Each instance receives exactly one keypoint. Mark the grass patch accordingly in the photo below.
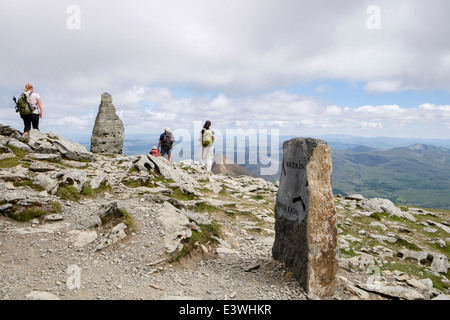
(257, 197)
(204, 237)
(68, 192)
(205, 207)
(128, 219)
(351, 253)
(26, 183)
(17, 151)
(406, 244)
(87, 191)
(120, 215)
(223, 192)
(158, 178)
(37, 210)
(414, 269)
(179, 195)
(27, 215)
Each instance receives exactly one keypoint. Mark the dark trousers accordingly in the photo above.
(30, 120)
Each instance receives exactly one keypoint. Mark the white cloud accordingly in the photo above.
(234, 58)
(384, 86)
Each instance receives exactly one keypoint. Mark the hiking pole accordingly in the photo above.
(15, 101)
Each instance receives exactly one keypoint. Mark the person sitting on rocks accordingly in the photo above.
(154, 152)
(166, 141)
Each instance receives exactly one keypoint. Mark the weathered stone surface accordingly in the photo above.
(82, 238)
(170, 171)
(306, 232)
(117, 233)
(51, 157)
(91, 222)
(108, 133)
(144, 164)
(356, 197)
(440, 263)
(40, 143)
(20, 145)
(98, 180)
(49, 184)
(396, 292)
(176, 227)
(38, 166)
(74, 177)
(6, 153)
(42, 295)
(385, 205)
(70, 150)
(8, 131)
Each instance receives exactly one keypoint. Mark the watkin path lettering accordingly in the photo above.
(295, 165)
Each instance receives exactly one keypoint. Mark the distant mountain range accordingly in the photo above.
(418, 174)
(414, 175)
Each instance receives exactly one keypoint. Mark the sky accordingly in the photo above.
(307, 68)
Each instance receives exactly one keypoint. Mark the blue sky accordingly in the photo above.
(359, 67)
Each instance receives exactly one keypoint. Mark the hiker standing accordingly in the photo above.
(166, 141)
(207, 140)
(34, 112)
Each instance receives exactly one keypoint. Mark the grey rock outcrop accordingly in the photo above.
(176, 227)
(54, 145)
(385, 205)
(108, 133)
(396, 292)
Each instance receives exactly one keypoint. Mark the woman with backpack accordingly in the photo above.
(207, 148)
(35, 104)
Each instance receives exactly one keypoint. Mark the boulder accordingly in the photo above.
(91, 222)
(6, 153)
(20, 145)
(176, 227)
(395, 292)
(172, 172)
(74, 177)
(71, 150)
(385, 205)
(40, 142)
(49, 184)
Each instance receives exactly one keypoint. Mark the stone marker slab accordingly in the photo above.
(305, 228)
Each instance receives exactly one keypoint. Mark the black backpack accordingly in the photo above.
(167, 141)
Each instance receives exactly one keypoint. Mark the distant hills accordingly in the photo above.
(413, 175)
(405, 171)
(416, 175)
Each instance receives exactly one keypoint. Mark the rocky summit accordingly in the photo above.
(79, 225)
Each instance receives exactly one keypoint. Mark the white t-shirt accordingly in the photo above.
(32, 99)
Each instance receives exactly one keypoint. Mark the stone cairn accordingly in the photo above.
(108, 133)
(305, 227)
